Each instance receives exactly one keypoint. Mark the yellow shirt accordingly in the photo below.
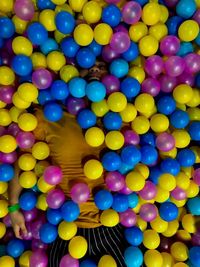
(68, 150)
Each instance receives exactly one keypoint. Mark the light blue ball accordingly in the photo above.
(185, 48)
(133, 200)
(125, 168)
(48, 46)
(15, 248)
(77, 87)
(186, 8)
(193, 205)
(95, 91)
(119, 68)
(133, 257)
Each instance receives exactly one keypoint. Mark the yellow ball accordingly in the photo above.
(94, 136)
(109, 218)
(22, 45)
(41, 202)
(135, 181)
(3, 209)
(182, 138)
(180, 264)
(100, 108)
(138, 73)
(19, 102)
(2, 104)
(159, 225)
(43, 186)
(26, 162)
(40, 151)
(182, 180)
(64, 7)
(169, 154)
(167, 181)
(3, 187)
(162, 195)
(68, 72)
(6, 261)
(179, 251)
(103, 33)
(183, 93)
(47, 19)
(137, 31)
(58, 2)
(195, 100)
(188, 171)
(78, 247)
(55, 60)
(158, 31)
(40, 167)
(188, 30)
(151, 13)
(129, 113)
(7, 144)
(14, 113)
(83, 34)
(2, 229)
(77, 5)
(178, 203)
(92, 12)
(192, 190)
(172, 228)
(5, 118)
(153, 258)
(141, 223)
(59, 36)
(194, 114)
(93, 169)
(28, 92)
(24, 260)
(7, 75)
(107, 261)
(148, 45)
(6, 6)
(188, 223)
(38, 60)
(117, 102)
(151, 239)
(144, 103)
(183, 235)
(167, 259)
(164, 13)
(27, 122)
(20, 25)
(159, 123)
(140, 125)
(114, 140)
(67, 230)
(27, 179)
(143, 169)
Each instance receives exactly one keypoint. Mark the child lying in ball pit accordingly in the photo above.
(68, 148)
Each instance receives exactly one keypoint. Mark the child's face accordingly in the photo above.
(97, 71)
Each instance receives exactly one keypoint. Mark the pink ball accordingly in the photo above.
(42, 78)
(167, 83)
(108, 54)
(24, 9)
(9, 158)
(174, 66)
(149, 191)
(148, 212)
(38, 244)
(178, 193)
(131, 137)
(25, 139)
(169, 45)
(196, 176)
(68, 261)
(192, 63)
(111, 83)
(186, 78)
(154, 65)
(6, 94)
(128, 218)
(126, 190)
(30, 215)
(151, 86)
(55, 198)
(120, 42)
(80, 193)
(38, 259)
(131, 12)
(115, 181)
(165, 142)
(53, 175)
(13, 129)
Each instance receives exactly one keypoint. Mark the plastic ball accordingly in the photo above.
(194, 255)
(94, 137)
(22, 45)
(107, 261)
(131, 53)
(47, 19)
(6, 94)
(168, 211)
(67, 260)
(108, 54)
(131, 155)
(151, 239)
(55, 198)
(80, 193)
(165, 142)
(130, 87)
(120, 42)
(179, 251)
(192, 64)
(85, 58)
(6, 172)
(185, 8)
(48, 233)
(109, 218)
(188, 30)
(22, 65)
(25, 258)
(27, 201)
(148, 45)
(120, 204)
(26, 162)
(54, 216)
(183, 93)
(41, 78)
(131, 137)
(24, 9)
(137, 31)
(5, 119)
(103, 199)
(88, 263)
(103, 33)
(159, 225)
(133, 257)
(6, 6)
(4, 208)
(83, 34)
(151, 13)
(149, 191)
(59, 90)
(78, 5)
(93, 169)
(95, 91)
(144, 103)
(95, 48)
(135, 181)
(55, 60)
(169, 45)
(7, 27)
(27, 92)
(134, 236)
(37, 33)
(67, 230)
(74, 105)
(86, 118)
(186, 157)
(111, 15)
(148, 212)
(40, 150)
(131, 12)
(7, 144)
(53, 175)
(117, 102)
(69, 47)
(38, 258)
(128, 218)
(65, 22)
(27, 122)
(174, 66)
(78, 247)
(114, 140)
(155, 255)
(92, 12)
(115, 181)
(111, 161)
(154, 65)
(192, 205)
(53, 112)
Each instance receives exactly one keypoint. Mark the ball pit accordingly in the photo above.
(140, 120)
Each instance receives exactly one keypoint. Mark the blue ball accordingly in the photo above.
(168, 211)
(134, 236)
(44, 96)
(120, 203)
(28, 200)
(112, 121)
(193, 205)
(95, 91)
(48, 46)
(186, 157)
(173, 24)
(54, 216)
(77, 87)
(142, 2)
(132, 53)
(85, 58)
(103, 200)
(194, 130)
(130, 87)
(185, 48)
(133, 200)
(7, 28)
(22, 65)
(119, 68)
(197, 40)
(148, 139)
(69, 47)
(6, 172)
(186, 8)
(48, 233)
(171, 166)
(95, 48)
(1, 42)
(179, 119)
(166, 105)
(59, 90)
(111, 15)
(65, 22)
(149, 154)
(70, 211)
(45, 4)
(15, 248)
(133, 257)
(88, 263)
(86, 118)
(131, 155)
(111, 161)
(197, 80)
(194, 256)
(53, 111)
(154, 174)
(37, 33)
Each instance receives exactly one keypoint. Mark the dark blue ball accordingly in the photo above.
(6, 172)
(69, 47)
(179, 119)
(133, 257)
(120, 202)
(131, 155)
(132, 53)
(133, 200)
(1, 42)
(173, 24)
(111, 15)
(44, 96)
(171, 166)
(49, 45)
(28, 200)
(148, 139)
(194, 130)
(88, 263)
(86, 118)
(77, 87)
(134, 236)
(186, 8)
(15, 248)
(103, 199)
(194, 256)
(112, 121)
(197, 80)
(168, 211)
(54, 216)
(149, 154)
(154, 174)
(45, 4)
(193, 206)
(59, 90)
(7, 28)
(186, 157)
(111, 161)
(48, 233)
(65, 22)
(95, 48)
(166, 105)
(85, 58)
(70, 211)
(22, 65)
(142, 2)
(130, 87)
(53, 111)
(37, 33)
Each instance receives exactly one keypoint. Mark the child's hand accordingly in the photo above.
(18, 223)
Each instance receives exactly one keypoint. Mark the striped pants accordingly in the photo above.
(101, 240)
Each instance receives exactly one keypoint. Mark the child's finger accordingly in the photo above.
(16, 229)
(23, 229)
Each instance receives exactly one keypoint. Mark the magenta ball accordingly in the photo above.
(42, 78)
(126, 190)
(196, 176)
(38, 244)
(9, 158)
(178, 193)
(38, 259)
(154, 65)
(7, 221)
(53, 175)
(29, 235)
(112, 1)
(120, 42)
(55, 198)
(128, 218)
(111, 83)
(2, 130)
(186, 78)
(25, 139)
(131, 12)
(67, 260)
(36, 225)
(151, 86)
(165, 142)
(115, 181)
(167, 83)
(196, 239)
(149, 191)
(148, 212)
(131, 137)
(169, 45)
(121, 28)
(174, 66)
(80, 193)
(171, 3)
(196, 16)
(24, 9)
(108, 54)
(74, 105)
(192, 63)
(13, 129)
(6, 58)
(6, 94)
(30, 215)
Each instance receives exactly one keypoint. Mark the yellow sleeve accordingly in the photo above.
(40, 130)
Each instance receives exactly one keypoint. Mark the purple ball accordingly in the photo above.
(29, 235)
(186, 78)
(171, 3)
(30, 215)
(36, 225)
(126, 191)
(25, 139)
(174, 66)
(74, 105)
(149, 191)
(24, 9)
(111, 83)
(67, 260)
(9, 158)
(128, 218)
(2, 130)
(131, 12)
(9, 235)
(167, 83)
(196, 239)
(115, 181)
(38, 245)
(192, 63)
(165, 142)
(38, 259)
(154, 65)
(178, 193)
(80, 193)
(7, 221)
(151, 86)
(131, 137)
(196, 16)
(148, 212)
(55, 198)
(196, 176)
(6, 94)
(13, 129)
(120, 42)
(108, 54)
(121, 28)
(6, 58)
(53, 175)
(169, 45)
(42, 78)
